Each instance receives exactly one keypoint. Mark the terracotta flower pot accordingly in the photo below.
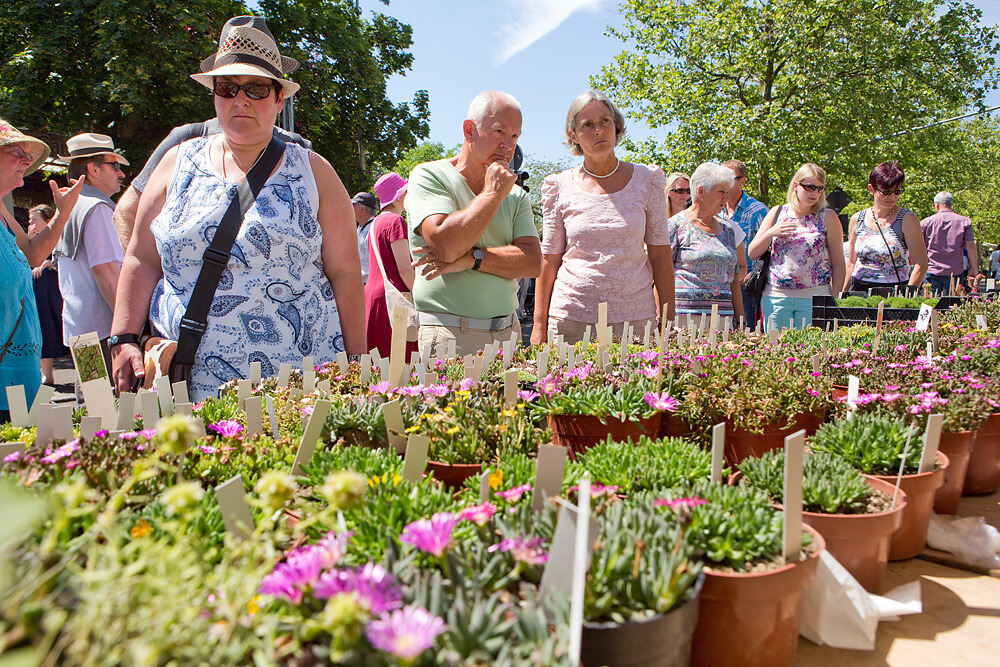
(751, 619)
(958, 447)
(673, 425)
(663, 640)
(860, 542)
(839, 391)
(741, 444)
(581, 432)
(453, 474)
(983, 474)
(911, 536)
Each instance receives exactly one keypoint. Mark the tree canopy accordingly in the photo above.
(121, 67)
(783, 82)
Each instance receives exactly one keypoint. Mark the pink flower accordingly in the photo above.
(649, 371)
(899, 348)
(103, 433)
(405, 633)
(373, 584)
(307, 410)
(648, 355)
(514, 495)
(438, 390)
(478, 514)
(382, 387)
(581, 372)
(411, 390)
(148, 433)
(812, 392)
(891, 396)
(430, 535)
(597, 490)
(527, 395)
(679, 504)
(465, 384)
(13, 456)
(547, 385)
(524, 550)
(208, 449)
(662, 401)
(227, 428)
(62, 452)
(71, 463)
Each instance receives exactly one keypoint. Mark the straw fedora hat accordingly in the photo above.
(247, 47)
(11, 135)
(90, 144)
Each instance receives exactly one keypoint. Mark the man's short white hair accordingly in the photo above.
(944, 198)
(710, 175)
(487, 102)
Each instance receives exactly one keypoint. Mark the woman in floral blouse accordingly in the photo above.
(886, 245)
(806, 243)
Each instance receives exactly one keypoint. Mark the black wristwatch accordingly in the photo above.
(477, 254)
(354, 358)
(120, 339)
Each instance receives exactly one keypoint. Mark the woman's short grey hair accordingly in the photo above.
(710, 175)
(944, 198)
(577, 106)
(487, 102)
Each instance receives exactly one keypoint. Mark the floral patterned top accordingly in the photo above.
(274, 303)
(801, 259)
(874, 264)
(704, 266)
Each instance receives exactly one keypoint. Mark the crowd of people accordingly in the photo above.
(236, 243)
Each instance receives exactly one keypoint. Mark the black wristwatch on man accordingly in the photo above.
(477, 255)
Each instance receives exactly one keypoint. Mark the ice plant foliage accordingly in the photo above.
(431, 535)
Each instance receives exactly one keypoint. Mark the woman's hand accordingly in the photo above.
(783, 228)
(65, 198)
(127, 369)
(538, 335)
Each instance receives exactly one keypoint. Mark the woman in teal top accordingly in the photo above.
(20, 333)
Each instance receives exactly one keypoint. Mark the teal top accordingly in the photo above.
(21, 364)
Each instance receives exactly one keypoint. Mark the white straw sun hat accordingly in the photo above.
(247, 47)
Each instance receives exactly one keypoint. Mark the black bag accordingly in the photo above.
(757, 278)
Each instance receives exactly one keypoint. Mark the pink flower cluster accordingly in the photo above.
(525, 550)
(514, 495)
(302, 567)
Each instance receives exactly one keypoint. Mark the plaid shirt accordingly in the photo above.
(748, 215)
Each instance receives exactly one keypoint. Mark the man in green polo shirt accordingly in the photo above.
(473, 233)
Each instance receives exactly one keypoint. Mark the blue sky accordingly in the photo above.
(541, 51)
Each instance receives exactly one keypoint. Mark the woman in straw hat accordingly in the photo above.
(20, 332)
(292, 286)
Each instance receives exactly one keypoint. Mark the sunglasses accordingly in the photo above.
(255, 91)
(681, 191)
(20, 154)
(898, 191)
(114, 166)
(812, 188)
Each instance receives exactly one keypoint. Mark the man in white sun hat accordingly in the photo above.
(89, 254)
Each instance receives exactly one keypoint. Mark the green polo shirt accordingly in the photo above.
(437, 187)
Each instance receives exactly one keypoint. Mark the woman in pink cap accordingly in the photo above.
(389, 262)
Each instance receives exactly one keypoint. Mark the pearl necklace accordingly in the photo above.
(618, 163)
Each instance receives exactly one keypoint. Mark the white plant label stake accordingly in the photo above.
(548, 474)
(284, 370)
(43, 436)
(126, 411)
(100, 401)
(602, 330)
(924, 317)
(571, 358)
(235, 510)
(718, 448)
(164, 395)
(62, 421)
(272, 417)
(580, 566)
(397, 347)
(180, 388)
(510, 387)
(794, 446)
(243, 390)
(254, 376)
(314, 427)
(253, 406)
(817, 360)
(508, 353)
(343, 363)
(484, 487)
(902, 469)
(149, 406)
(89, 425)
(586, 336)
(366, 368)
(42, 396)
(645, 335)
(981, 322)
(396, 430)
(543, 363)
(931, 439)
(18, 406)
(415, 460)
(450, 349)
(853, 388)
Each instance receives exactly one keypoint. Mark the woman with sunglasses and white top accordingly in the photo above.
(678, 193)
(886, 245)
(806, 243)
(292, 285)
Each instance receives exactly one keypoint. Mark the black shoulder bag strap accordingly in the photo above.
(895, 269)
(216, 258)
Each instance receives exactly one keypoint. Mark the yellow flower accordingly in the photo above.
(413, 429)
(140, 529)
(503, 428)
(463, 393)
(496, 479)
(453, 430)
(507, 413)
(396, 479)
(253, 606)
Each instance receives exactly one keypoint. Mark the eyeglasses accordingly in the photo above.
(812, 188)
(255, 91)
(21, 155)
(681, 191)
(898, 191)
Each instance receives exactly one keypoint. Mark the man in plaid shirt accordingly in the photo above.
(747, 212)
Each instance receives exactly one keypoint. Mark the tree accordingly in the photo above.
(345, 61)
(121, 67)
(784, 82)
(425, 151)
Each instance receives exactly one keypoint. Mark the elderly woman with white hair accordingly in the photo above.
(604, 235)
(708, 255)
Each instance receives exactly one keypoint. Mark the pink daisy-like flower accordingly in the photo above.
(103, 433)
(812, 392)
(648, 355)
(547, 385)
(208, 449)
(383, 387)
(527, 395)
(13, 456)
(148, 433)
(679, 504)
(430, 535)
(61, 453)
(374, 585)
(514, 495)
(71, 463)
(891, 396)
(438, 390)
(227, 428)
(405, 633)
(411, 390)
(478, 514)
(465, 384)
(649, 371)
(525, 550)
(307, 410)
(129, 435)
(662, 401)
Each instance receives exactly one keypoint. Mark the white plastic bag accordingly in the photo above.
(839, 612)
(970, 538)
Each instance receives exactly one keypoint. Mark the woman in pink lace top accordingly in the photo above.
(604, 236)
